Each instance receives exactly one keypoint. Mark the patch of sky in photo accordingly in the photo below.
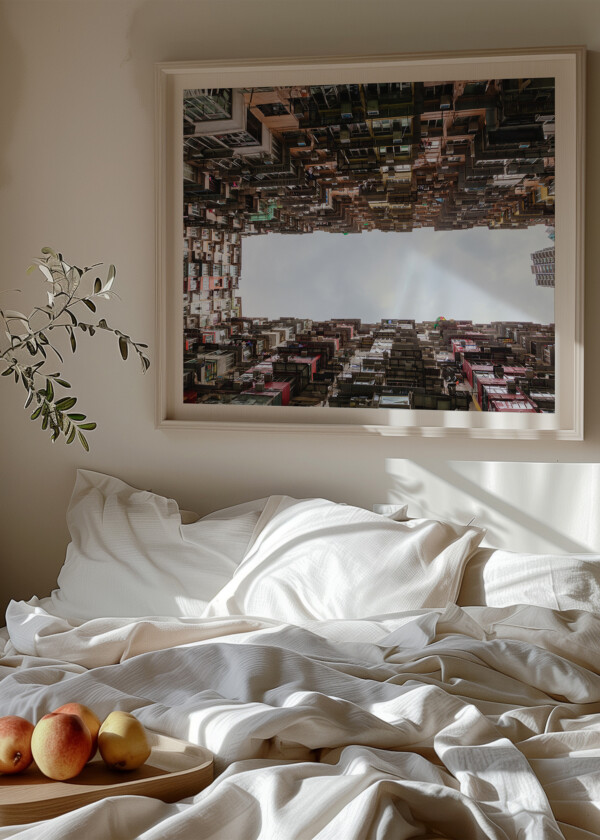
(477, 274)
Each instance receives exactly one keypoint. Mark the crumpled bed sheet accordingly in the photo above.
(461, 723)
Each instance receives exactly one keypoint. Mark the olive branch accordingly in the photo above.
(29, 342)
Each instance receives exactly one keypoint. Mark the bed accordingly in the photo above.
(357, 674)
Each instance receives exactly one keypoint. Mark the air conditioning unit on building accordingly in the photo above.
(346, 109)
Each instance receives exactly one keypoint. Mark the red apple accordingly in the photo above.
(61, 745)
(15, 744)
(88, 717)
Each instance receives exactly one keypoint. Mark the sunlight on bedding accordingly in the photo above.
(367, 713)
(217, 726)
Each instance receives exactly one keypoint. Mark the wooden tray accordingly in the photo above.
(174, 770)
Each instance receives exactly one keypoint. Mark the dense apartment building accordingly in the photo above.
(457, 366)
(542, 266)
(349, 159)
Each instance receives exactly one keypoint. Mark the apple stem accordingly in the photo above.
(17, 758)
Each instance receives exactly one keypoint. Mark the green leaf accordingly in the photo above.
(66, 403)
(46, 272)
(63, 279)
(112, 273)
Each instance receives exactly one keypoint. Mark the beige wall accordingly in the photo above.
(76, 172)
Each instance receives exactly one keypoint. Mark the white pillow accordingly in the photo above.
(560, 582)
(315, 559)
(132, 555)
(397, 512)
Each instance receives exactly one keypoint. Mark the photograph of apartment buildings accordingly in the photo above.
(427, 279)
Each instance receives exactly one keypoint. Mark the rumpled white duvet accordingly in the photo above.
(460, 723)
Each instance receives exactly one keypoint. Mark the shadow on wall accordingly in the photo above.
(535, 507)
(11, 87)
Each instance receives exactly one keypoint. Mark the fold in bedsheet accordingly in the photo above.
(465, 723)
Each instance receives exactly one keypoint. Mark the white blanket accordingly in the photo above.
(463, 723)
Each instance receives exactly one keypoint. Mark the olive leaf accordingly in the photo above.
(24, 343)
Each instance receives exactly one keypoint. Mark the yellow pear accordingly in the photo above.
(122, 741)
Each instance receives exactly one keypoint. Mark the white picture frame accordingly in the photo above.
(565, 64)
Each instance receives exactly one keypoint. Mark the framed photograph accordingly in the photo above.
(384, 245)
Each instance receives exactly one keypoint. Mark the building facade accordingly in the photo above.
(349, 159)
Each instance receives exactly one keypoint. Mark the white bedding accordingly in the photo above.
(308, 645)
(471, 722)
